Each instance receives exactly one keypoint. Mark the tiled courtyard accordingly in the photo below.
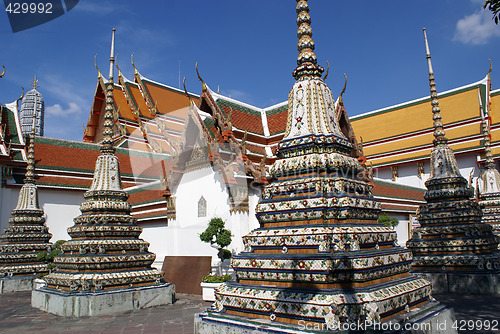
(17, 316)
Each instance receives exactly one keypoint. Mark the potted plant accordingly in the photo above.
(210, 282)
(218, 237)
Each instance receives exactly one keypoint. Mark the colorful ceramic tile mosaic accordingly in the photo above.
(452, 237)
(105, 251)
(26, 234)
(488, 184)
(319, 255)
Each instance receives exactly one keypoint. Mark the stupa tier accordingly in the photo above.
(452, 238)
(26, 235)
(488, 184)
(320, 257)
(105, 267)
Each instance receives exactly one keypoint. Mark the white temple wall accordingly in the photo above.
(181, 236)
(8, 201)
(60, 207)
(408, 172)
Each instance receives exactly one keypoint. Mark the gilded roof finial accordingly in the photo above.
(306, 60)
(107, 141)
(186, 92)
(327, 70)
(132, 61)
(3, 72)
(99, 74)
(204, 86)
(491, 69)
(22, 95)
(343, 90)
(34, 83)
(438, 124)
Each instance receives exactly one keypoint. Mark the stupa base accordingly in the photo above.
(99, 303)
(430, 318)
(463, 283)
(12, 284)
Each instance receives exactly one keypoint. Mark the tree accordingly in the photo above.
(387, 220)
(494, 7)
(218, 237)
(49, 257)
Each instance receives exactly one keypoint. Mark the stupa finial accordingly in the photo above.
(34, 83)
(306, 60)
(107, 141)
(438, 124)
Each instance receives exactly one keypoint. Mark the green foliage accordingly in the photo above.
(49, 257)
(494, 7)
(216, 278)
(216, 234)
(387, 220)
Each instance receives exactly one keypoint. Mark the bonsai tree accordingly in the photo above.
(387, 220)
(49, 257)
(218, 237)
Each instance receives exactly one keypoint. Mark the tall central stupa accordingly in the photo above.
(319, 259)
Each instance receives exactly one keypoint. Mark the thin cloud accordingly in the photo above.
(57, 111)
(476, 29)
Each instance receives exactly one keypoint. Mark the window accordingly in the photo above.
(202, 207)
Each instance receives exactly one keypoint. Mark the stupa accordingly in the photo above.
(105, 267)
(452, 248)
(26, 235)
(319, 261)
(488, 184)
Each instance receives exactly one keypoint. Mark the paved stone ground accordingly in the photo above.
(17, 316)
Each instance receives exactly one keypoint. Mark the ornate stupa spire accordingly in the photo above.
(27, 234)
(452, 245)
(107, 140)
(319, 256)
(105, 251)
(306, 60)
(488, 183)
(438, 124)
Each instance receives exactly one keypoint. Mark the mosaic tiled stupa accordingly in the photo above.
(25, 236)
(488, 184)
(105, 258)
(319, 257)
(452, 248)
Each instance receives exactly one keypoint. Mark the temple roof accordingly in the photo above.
(389, 139)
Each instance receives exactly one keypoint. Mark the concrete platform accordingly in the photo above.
(433, 318)
(101, 303)
(11, 284)
(463, 284)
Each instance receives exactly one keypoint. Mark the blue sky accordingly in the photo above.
(249, 49)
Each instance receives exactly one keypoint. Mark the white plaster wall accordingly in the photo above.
(181, 236)
(407, 173)
(8, 201)
(60, 207)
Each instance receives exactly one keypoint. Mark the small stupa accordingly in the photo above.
(319, 261)
(488, 184)
(26, 235)
(452, 248)
(105, 267)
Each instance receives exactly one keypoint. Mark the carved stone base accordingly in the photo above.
(108, 302)
(464, 284)
(431, 318)
(11, 284)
